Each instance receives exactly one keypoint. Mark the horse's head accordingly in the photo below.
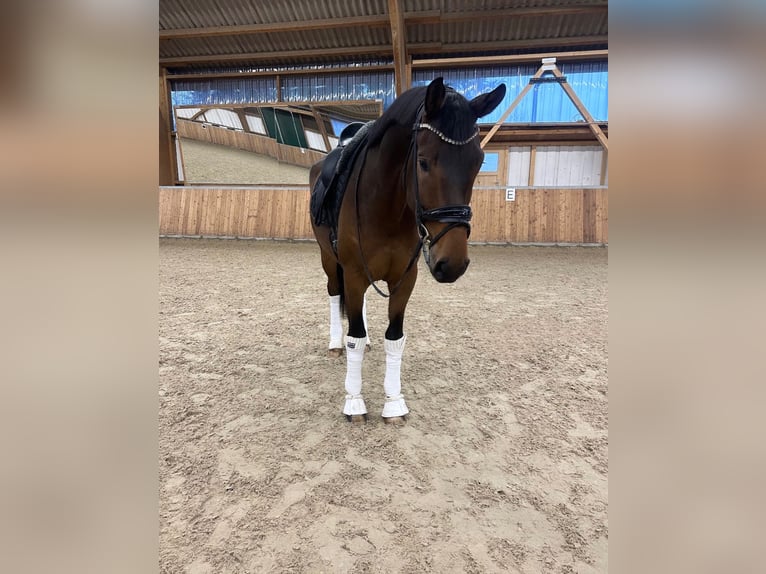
(448, 158)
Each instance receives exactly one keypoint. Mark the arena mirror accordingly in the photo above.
(261, 144)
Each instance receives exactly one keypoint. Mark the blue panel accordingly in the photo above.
(490, 162)
(338, 125)
(339, 87)
(546, 102)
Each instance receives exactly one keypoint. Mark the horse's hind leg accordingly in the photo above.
(334, 287)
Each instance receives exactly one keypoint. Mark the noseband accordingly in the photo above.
(453, 215)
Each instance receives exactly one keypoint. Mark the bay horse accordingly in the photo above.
(408, 191)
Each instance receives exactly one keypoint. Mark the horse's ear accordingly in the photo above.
(485, 103)
(435, 97)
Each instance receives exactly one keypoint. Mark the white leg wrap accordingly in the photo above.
(354, 405)
(392, 384)
(394, 405)
(336, 327)
(354, 358)
(364, 317)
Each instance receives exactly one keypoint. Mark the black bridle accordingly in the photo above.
(458, 215)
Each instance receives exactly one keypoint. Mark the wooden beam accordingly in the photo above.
(492, 14)
(592, 124)
(604, 166)
(270, 73)
(380, 50)
(377, 21)
(322, 129)
(408, 73)
(168, 166)
(508, 59)
(383, 50)
(399, 44)
(532, 159)
(439, 48)
(513, 105)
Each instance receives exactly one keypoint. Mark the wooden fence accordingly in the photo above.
(248, 142)
(556, 216)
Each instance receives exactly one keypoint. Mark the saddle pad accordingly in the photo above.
(327, 195)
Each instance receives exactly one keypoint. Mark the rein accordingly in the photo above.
(453, 215)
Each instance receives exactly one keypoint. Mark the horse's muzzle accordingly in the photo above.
(448, 270)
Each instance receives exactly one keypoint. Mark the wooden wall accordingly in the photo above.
(248, 142)
(536, 216)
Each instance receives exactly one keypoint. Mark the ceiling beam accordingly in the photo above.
(521, 13)
(384, 50)
(439, 48)
(272, 73)
(377, 21)
(399, 43)
(377, 50)
(381, 21)
(508, 59)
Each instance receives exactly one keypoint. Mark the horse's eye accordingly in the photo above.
(423, 164)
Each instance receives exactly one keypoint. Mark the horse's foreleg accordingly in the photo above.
(354, 407)
(364, 318)
(395, 409)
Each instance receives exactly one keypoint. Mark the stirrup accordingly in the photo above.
(395, 407)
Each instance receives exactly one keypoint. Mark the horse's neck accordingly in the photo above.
(390, 158)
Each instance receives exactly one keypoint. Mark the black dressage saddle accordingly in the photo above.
(329, 188)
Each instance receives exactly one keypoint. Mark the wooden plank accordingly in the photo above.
(539, 43)
(494, 14)
(271, 74)
(592, 124)
(604, 166)
(377, 50)
(398, 43)
(295, 26)
(532, 158)
(168, 168)
(371, 21)
(589, 234)
(474, 61)
(508, 111)
(547, 215)
(385, 49)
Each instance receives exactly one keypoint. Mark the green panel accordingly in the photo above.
(284, 127)
(270, 121)
(290, 130)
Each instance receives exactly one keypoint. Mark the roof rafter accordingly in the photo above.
(379, 21)
(386, 49)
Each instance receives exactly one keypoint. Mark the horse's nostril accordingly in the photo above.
(439, 268)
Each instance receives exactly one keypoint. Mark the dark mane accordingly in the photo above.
(455, 119)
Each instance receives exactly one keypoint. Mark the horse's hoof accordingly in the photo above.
(356, 419)
(396, 421)
(335, 353)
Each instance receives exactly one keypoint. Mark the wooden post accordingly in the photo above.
(513, 105)
(322, 129)
(399, 43)
(604, 165)
(168, 165)
(595, 128)
(532, 159)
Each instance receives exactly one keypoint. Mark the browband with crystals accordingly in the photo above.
(445, 138)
